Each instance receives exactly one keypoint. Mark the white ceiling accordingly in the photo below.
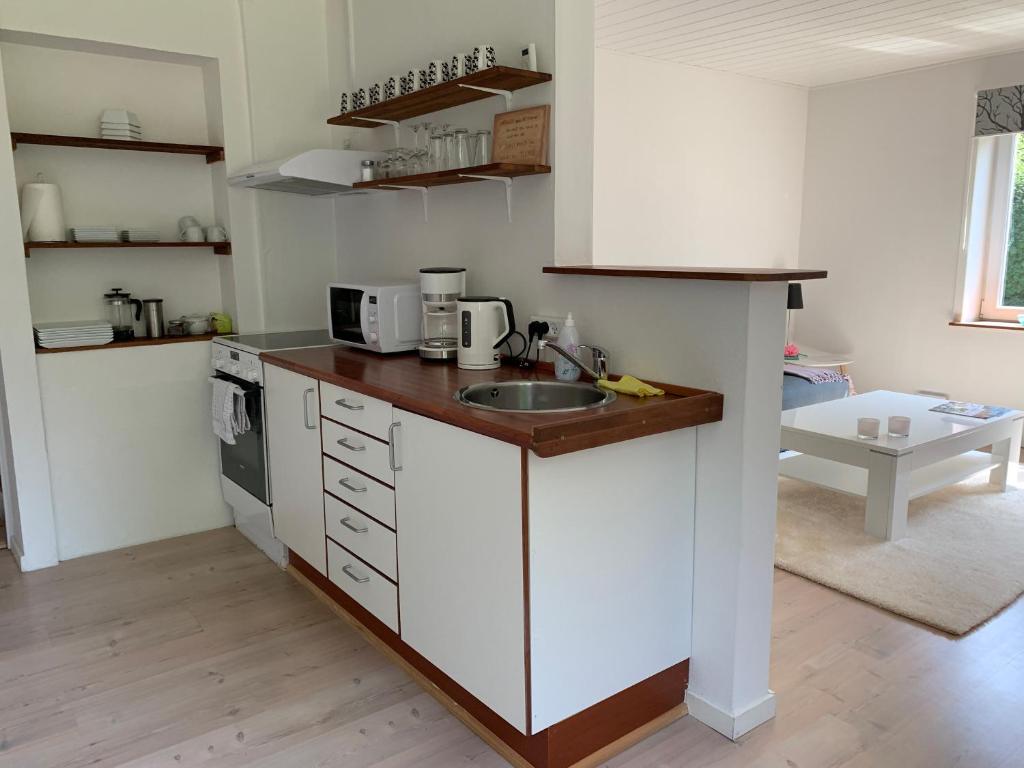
(810, 42)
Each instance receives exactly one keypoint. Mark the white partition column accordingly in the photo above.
(737, 477)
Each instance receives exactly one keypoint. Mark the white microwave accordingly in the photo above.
(380, 317)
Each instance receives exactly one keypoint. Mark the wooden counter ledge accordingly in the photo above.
(736, 274)
(427, 388)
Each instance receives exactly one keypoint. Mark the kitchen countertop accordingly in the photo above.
(427, 388)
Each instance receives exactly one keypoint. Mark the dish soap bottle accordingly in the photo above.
(569, 340)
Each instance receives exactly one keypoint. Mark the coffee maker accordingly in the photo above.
(441, 288)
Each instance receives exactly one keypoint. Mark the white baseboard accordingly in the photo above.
(24, 563)
(730, 724)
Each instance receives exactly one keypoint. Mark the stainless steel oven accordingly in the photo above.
(245, 462)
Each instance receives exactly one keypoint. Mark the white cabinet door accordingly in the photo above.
(296, 482)
(458, 498)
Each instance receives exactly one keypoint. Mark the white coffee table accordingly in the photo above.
(889, 471)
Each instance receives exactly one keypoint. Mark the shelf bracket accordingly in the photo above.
(393, 123)
(423, 190)
(494, 91)
(506, 180)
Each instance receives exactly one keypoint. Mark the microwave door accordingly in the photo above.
(347, 312)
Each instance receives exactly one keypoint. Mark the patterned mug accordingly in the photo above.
(456, 66)
(483, 57)
(436, 72)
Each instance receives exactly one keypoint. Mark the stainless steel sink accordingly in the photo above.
(534, 396)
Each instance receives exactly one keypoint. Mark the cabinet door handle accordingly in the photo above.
(305, 408)
(395, 467)
(344, 443)
(347, 570)
(347, 522)
(344, 404)
(344, 483)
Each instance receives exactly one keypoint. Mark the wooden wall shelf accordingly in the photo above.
(223, 249)
(145, 342)
(456, 176)
(211, 153)
(735, 274)
(443, 96)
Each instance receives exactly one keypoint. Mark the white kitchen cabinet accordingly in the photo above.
(459, 510)
(293, 429)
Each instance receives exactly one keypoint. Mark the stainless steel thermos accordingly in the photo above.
(153, 309)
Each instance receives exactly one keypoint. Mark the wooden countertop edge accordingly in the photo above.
(573, 432)
(752, 275)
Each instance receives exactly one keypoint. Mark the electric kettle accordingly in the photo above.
(485, 323)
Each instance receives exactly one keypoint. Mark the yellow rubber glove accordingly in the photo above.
(630, 385)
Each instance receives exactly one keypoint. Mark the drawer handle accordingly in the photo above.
(344, 483)
(347, 522)
(344, 404)
(344, 443)
(347, 570)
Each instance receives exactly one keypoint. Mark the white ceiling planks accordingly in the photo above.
(809, 42)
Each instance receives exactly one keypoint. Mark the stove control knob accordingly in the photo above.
(373, 336)
(253, 375)
(235, 369)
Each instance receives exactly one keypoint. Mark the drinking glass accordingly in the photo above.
(460, 148)
(448, 151)
(481, 148)
(436, 160)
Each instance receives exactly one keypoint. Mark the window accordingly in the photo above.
(994, 244)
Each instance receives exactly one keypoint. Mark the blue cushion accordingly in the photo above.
(797, 392)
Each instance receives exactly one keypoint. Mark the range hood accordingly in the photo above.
(318, 172)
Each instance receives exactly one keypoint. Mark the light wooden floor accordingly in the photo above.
(198, 651)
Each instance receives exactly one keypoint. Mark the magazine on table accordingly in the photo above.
(974, 410)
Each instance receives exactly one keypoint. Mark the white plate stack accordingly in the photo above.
(94, 234)
(73, 333)
(138, 235)
(120, 124)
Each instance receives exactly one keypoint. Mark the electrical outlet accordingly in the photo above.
(554, 324)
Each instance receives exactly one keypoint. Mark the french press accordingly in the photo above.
(119, 312)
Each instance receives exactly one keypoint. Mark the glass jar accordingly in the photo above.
(369, 170)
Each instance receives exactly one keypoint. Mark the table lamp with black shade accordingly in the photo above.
(794, 300)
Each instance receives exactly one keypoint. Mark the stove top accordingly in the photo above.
(267, 342)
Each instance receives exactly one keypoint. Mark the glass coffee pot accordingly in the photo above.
(120, 306)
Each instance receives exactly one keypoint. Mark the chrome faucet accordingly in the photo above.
(598, 355)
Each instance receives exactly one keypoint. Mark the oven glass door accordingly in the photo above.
(346, 315)
(245, 462)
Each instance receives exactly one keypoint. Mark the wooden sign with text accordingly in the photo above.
(521, 136)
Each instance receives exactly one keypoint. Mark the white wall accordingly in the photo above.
(268, 278)
(51, 90)
(887, 170)
(129, 439)
(286, 62)
(694, 167)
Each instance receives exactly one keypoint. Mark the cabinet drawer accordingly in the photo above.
(367, 414)
(364, 585)
(362, 536)
(377, 501)
(366, 454)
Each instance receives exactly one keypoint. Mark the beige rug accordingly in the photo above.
(961, 563)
